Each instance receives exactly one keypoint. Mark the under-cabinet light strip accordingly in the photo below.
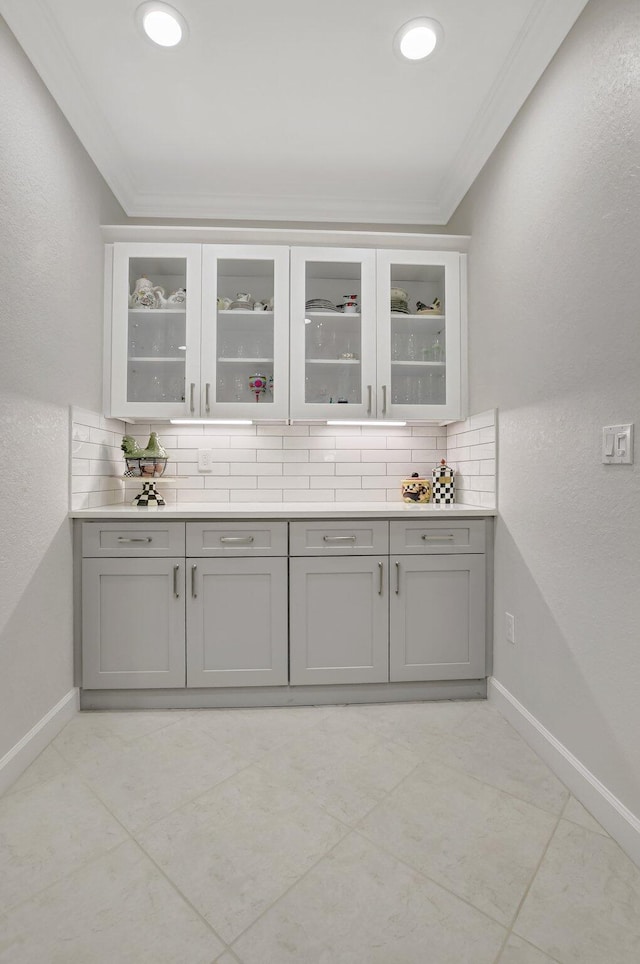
(366, 421)
(211, 421)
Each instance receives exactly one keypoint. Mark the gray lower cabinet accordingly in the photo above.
(339, 620)
(237, 632)
(437, 617)
(133, 631)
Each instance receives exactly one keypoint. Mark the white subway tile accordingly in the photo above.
(309, 495)
(255, 495)
(487, 500)
(281, 482)
(80, 433)
(283, 430)
(257, 442)
(203, 495)
(282, 455)
(233, 455)
(406, 442)
(361, 442)
(322, 442)
(360, 495)
(192, 482)
(189, 468)
(437, 431)
(252, 468)
(361, 468)
(487, 467)
(483, 419)
(115, 425)
(389, 455)
(334, 455)
(84, 417)
(232, 482)
(102, 437)
(343, 482)
(80, 467)
(316, 468)
(381, 482)
(431, 456)
(204, 442)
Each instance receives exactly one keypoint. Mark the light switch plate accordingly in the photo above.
(617, 444)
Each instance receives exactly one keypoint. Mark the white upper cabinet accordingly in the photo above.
(272, 332)
(153, 343)
(419, 335)
(333, 333)
(245, 332)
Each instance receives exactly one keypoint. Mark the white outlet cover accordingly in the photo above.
(205, 460)
(510, 627)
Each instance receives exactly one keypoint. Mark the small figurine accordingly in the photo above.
(131, 448)
(415, 489)
(435, 308)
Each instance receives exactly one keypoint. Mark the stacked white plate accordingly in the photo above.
(319, 304)
(241, 305)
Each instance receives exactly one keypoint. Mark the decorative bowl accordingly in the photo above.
(146, 468)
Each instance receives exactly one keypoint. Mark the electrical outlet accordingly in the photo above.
(510, 627)
(205, 460)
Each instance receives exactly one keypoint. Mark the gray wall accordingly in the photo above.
(555, 346)
(52, 201)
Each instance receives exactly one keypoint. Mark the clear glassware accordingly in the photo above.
(240, 387)
(411, 347)
(437, 348)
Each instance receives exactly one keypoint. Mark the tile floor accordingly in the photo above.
(390, 834)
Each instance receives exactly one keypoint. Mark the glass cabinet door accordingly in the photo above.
(332, 333)
(419, 334)
(245, 366)
(155, 332)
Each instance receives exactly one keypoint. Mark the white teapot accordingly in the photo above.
(145, 294)
(176, 298)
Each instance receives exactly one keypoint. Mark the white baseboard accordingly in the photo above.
(616, 819)
(15, 762)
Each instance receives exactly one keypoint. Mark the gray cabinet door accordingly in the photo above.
(339, 620)
(237, 622)
(133, 623)
(437, 627)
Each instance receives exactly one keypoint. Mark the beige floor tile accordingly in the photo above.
(47, 831)
(584, 904)
(49, 764)
(487, 747)
(235, 850)
(158, 773)
(411, 723)
(518, 951)
(345, 769)
(90, 734)
(228, 958)
(361, 906)
(118, 909)
(479, 842)
(576, 813)
(254, 732)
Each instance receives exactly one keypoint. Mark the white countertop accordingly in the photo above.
(287, 510)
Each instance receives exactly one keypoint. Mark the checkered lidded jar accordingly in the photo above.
(444, 487)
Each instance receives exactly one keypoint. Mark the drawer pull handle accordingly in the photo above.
(444, 537)
(381, 574)
(369, 405)
(397, 578)
(193, 582)
(140, 539)
(236, 539)
(192, 389)
(207, 389)
(384, 399)
(176, 570)
(339, 538)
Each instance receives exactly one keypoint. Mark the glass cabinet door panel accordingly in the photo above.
(332, 333)
(244, 342)
(419, 333)
(155, 323)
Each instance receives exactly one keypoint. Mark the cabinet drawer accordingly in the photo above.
(338, 538)
(236, 538)
(104, 539)
(437, 536)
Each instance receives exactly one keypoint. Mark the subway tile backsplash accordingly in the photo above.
(283, 463)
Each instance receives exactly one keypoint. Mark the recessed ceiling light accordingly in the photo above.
(161, 23)
(418, 39)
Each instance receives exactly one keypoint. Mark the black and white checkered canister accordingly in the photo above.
(444, 486)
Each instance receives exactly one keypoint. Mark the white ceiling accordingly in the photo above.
(291, 109)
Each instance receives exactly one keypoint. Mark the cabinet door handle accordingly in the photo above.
(193, 581)
(369, 406)
(397, 578)
(381, 575)
(140, 539)
(384, 399)
(207, 389)
(176, 570)
(441, 537)
(191, 402)
(236, 539)
(339, 538)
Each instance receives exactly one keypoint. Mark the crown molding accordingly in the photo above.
(544, 30)
(546, 26)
